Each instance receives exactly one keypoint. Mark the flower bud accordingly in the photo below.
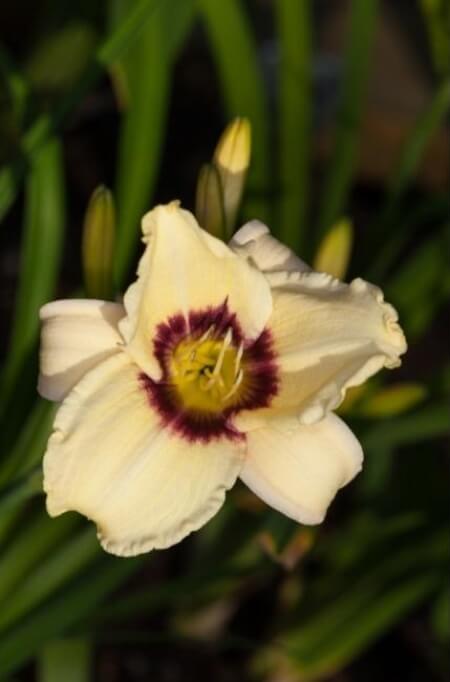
(232, 159)
(98, 244)
(393, 400)
(209, 201)
(333, 254)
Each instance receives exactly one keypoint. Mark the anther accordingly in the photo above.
(219, 362)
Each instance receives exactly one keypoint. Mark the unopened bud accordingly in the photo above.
(209, 202)
(98, 245)
(393, 400)
(333, 254)
(232, 159)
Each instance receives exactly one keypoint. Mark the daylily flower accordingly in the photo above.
(222, 362)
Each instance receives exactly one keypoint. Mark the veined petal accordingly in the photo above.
(110, 459)
(76, 335)
(184, 269)
(328, 336)
(254, 242)
(300, 472)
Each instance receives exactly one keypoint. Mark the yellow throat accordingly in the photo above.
(206, 372)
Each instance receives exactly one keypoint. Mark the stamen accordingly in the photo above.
(219, 362)
(237, 362)
(207, 334)
(235, 386)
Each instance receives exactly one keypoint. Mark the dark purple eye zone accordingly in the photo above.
(215, 335)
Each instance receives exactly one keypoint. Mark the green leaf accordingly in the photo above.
(373, 618)
(409, 159)
(63, 611)
(357, 61)
(21, 490)
(40, 260)
(430, 422)
(147, 70)
(60, 57)
(437, 19)
(29, 546)
(422, 285)
(177, 20)
(14, 93)
(235, 54)
(8, 519)
(30, 444)
(432, 210)
(295, 118)
(440, 615)
(54, 570)
(66, 659)
(376, 599)
(46, 124)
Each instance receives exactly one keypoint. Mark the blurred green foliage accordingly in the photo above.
(336, 590)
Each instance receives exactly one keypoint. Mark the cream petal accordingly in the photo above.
(76, 335)
(110, 459)
(328, 336)
(183, 269)
(300, 472)
(254, 242)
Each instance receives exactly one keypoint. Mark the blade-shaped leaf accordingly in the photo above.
(46, 124)
(354, 84)
(41, 257)
(294, 123)
(147, 70)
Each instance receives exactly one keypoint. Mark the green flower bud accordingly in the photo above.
(209, 208)
(98, 245)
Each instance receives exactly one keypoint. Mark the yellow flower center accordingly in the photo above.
(206, 372)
